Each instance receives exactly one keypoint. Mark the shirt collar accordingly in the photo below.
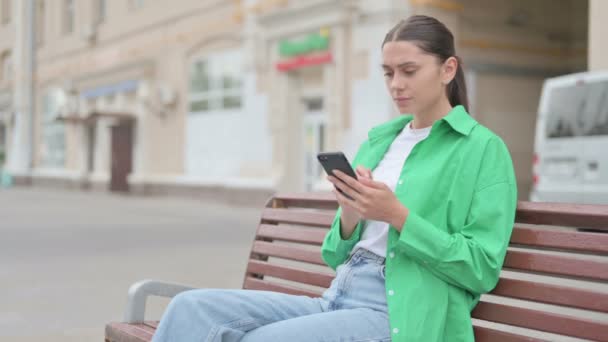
(458, 119)
(461, 121)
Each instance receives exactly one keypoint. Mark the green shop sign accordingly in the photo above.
(313, 42)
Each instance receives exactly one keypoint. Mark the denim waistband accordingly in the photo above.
(362, 253)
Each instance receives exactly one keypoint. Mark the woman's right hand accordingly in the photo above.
(350, 217)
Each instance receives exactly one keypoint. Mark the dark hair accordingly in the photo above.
(433, 37)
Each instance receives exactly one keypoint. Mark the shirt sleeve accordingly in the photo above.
(335, 249)
(471, 257)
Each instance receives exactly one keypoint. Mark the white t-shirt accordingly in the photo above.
(375, 233)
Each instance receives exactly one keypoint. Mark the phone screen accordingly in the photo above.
(336, 161)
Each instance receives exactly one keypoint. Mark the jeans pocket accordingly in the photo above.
(382, 271)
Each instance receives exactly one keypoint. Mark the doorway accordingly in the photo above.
(121, 155)
(314, 124)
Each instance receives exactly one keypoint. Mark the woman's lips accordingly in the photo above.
(403, 100)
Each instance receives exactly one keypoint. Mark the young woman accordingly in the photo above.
(423, 237)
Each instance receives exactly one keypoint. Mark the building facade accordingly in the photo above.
(233, 99)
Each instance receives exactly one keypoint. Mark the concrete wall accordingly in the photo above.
(598, 31)
(508, 104)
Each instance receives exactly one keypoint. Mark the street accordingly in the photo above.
(67, 259)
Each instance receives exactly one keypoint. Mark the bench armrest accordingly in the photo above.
(139, 292)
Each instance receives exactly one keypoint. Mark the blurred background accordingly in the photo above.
(229, 101)
(232, 98)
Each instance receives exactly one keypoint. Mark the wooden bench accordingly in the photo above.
(555, 279)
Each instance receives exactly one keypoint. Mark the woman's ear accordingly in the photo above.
(448, 70)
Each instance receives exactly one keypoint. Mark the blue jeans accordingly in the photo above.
(353, 308)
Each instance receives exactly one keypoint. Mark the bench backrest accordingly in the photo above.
(554, 281)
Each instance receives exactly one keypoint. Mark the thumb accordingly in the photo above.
(363, 172)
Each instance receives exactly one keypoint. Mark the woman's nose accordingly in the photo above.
(398, 82)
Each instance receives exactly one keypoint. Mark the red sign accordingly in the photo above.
(305, 60)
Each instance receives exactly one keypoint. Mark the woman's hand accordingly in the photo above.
(350, 217)
(371, 200)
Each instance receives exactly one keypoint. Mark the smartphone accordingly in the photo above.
(336, 161)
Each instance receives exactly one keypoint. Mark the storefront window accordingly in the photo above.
(6, 11)
(100, 11)
(6, 69)
(68, 16)
(2, 144)
(216, 83)
(40, 22)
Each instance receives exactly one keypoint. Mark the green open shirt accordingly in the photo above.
(460, 187)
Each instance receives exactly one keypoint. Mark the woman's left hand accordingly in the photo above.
(371, 199)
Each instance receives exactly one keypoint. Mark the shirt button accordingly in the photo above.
(400, 182)
(395, 331)
(391, 292)
(391, 255)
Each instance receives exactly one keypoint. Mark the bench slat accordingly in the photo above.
(287, 252)
(290, 273)
(557, 264)
(313, 236)
(552, 294)
(125, 332)
(485, 334)
(152, 324)
(563, 214)
(559, 214)
(257, 284)
(541, 320)
(295, 216)
(588, 242)
(317, 200)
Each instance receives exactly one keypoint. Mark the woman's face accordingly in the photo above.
(415, 79)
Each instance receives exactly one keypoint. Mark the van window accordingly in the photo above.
(597, 112)
(578, 110)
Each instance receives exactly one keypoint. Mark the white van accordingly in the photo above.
(571, 142)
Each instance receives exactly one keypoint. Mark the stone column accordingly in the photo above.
(20, 157)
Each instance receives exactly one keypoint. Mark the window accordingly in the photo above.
(40, 22)
(68, 16)
(53, 132)
(596, 114)
(6, 11)
(2, 144)
(216, 83)
(100, 11)
(135, 4)
(6, 69)
(580, 110)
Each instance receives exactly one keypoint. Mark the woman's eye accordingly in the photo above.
(388, 74)
(410, 72)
